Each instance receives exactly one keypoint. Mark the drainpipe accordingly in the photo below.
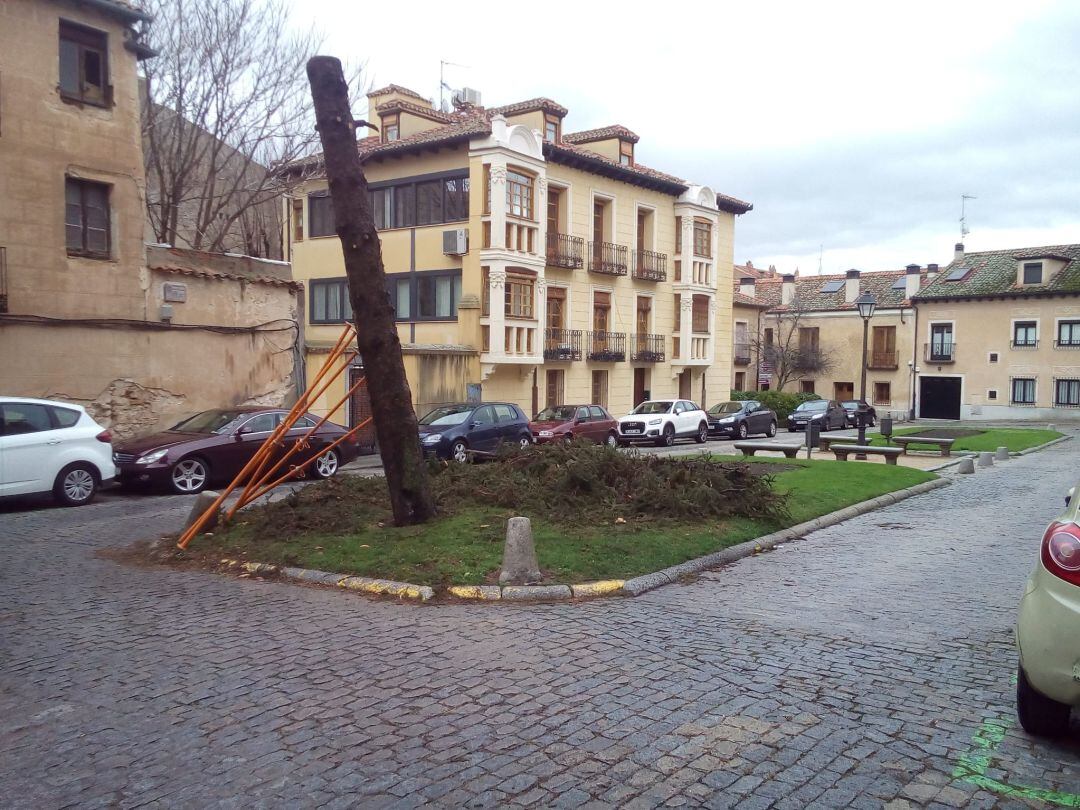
(914, 376)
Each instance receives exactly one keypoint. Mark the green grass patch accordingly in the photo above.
(344, 525)
(1016, 439)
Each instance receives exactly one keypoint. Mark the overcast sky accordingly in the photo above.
(853, 128)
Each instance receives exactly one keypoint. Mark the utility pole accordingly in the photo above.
(373, 314)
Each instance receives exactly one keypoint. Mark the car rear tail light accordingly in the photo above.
(104, 436)
(1061, 551)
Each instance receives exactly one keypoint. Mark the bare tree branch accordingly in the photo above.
(790, 347)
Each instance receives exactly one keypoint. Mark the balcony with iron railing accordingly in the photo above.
(566, 251)
(939, 352)
(741, 354)
(561, 345)
(607, 258)
(650, 265)
(645, 348)
(877, 360)
(608, 347)
(1067, 344)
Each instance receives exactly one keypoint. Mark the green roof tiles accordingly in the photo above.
(993, 274)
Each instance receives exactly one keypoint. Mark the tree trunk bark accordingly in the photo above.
(376, 330)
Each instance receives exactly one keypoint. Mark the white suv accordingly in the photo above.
(662, 421)
(52, 446)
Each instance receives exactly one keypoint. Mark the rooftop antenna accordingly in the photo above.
(963, 214)
(443, 86)
(820, 256)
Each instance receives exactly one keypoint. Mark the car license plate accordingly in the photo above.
(631, 430)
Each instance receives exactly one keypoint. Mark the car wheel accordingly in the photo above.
(75, 485)
(1039, 715)
(524, 442)
(742, 431)
(667, 437)
(189, 476)
(326, 465)
(567, 438)
(772, 430)
(702, 433)
(459, 451)
(611, 440)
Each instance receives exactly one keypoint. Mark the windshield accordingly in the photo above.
(447, 415)
(850, 404)
(818, 405)
(726, 407)
(209, 422)
(652, 407)
(557, 413)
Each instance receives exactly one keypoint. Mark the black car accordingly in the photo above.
(740, 419)
(453, 431)
(854, 406)
(828, 412)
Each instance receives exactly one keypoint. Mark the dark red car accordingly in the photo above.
(566, 422)
(214, 446)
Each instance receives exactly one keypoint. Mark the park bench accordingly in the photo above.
(749, 448)
(842, 451)
(944, 445)
(825, 442)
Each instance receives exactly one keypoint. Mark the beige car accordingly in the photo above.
(1048, 629)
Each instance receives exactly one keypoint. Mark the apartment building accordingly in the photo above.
(84, 315)
(813, 322)
(526, 262)
(999, 336)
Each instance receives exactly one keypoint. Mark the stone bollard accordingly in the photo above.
(1052, 427)
(986, 459)
(203, 501)
(1002, 454)
(966, 466)
(519, 566)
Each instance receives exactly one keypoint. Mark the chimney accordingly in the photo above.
(746, 286)
(851, 286)
(787, 288)
(913, 279)
(958, 252)
(931, 271)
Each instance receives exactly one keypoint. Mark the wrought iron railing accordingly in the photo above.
(607, 346)
(878, 360)
(562, 344)
(645, 348)
(607, 257)
(1024, 344)
(940, 352)
(650, 265)
(741, 354)
(564, 250)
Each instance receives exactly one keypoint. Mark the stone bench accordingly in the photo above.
(825, 442)
(842, 451)
(944, 445)
(749, 448)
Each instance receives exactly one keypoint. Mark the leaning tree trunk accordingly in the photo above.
(376, 331)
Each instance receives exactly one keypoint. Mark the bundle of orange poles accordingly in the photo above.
(256, 474)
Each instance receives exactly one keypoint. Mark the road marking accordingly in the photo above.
(973, 765)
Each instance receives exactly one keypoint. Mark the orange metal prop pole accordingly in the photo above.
(300, 443)
(300, 467)
(274, 440)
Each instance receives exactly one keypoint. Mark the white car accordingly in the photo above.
(662, 421)
(56, 447)
(1048, 682)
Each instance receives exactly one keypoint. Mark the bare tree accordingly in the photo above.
(376, 330)
(226, 105)
(789, 347)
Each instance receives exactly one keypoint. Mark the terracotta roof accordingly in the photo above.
(576, 156)
(124, 9)
(808, 289)
(545, 104)
(747, 301)
(221, 276)
(993, 274)
(602, 134)
(733, 204)
(463, 127)
(749, 271)
(395, 88)
(400, 105)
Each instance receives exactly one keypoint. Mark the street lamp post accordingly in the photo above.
(866, 304)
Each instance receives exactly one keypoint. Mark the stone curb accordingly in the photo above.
(1039, 447)
(642, 584)
(587, 590)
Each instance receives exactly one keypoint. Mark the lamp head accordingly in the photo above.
(866, 304)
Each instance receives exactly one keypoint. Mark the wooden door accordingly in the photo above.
(554, 388)
(360, 409)
(685, 384)
(640, 394)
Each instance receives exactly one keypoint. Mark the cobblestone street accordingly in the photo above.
(857, 667)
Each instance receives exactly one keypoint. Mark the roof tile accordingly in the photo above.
(602, 134)
(993, 273)
(812, 299)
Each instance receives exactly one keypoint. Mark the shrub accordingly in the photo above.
(782, 402)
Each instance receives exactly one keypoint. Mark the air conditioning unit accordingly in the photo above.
(455, 242)
(466, 96)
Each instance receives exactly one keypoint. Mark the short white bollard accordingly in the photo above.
(203, 502)
(966, 466)
(1002, 454)
(519, 566)
(1051, 426)
(986, 459)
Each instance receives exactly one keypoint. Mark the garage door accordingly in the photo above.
(939, 397)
